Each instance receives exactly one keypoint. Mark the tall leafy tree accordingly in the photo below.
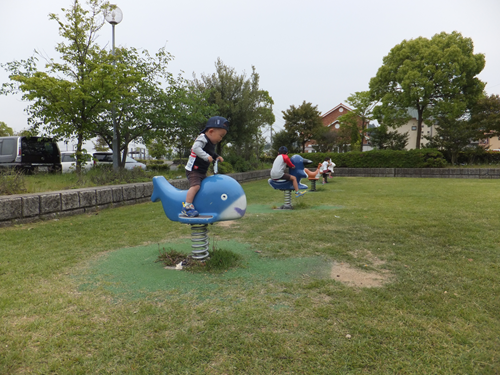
(437, 77)
(239, 99)
(151, 99)
(303, 121)
(66, 99)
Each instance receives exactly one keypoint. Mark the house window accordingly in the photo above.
(413, 128)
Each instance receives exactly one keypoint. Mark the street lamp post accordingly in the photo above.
(114, 16)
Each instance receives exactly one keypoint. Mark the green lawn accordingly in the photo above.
(83, 295)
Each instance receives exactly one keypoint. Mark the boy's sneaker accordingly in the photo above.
(299, 193)
(188, 210)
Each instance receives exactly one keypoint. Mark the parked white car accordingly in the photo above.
(107, 158)
(68, 162)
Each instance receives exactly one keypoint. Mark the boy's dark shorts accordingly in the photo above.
(286, 176)
(195, 178)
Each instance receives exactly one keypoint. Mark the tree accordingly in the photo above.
(454, 135)
(303, 121)
(485, 114)
(240, 100)
(5, 131)
(358, 119)
(383, 139)
(188, 119)
(326, 140)
(287, 139)
(436, 77)
(147, 110)
(157, 149)
(100, 145)
(66, 100)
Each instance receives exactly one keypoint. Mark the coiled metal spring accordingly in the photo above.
(199, 241)
(288, 200)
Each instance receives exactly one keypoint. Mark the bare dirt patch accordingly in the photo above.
(227, 223)
(355, 277)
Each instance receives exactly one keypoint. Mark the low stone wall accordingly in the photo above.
(419, 172)
(22, 208)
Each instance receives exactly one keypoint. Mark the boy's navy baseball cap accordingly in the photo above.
(216, 122)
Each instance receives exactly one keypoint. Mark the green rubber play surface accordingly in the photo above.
(268, 208)
(133, 272)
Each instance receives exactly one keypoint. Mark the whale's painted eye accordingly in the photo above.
(223, 197)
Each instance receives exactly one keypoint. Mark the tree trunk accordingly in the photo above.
(78, 154)
(420, 120)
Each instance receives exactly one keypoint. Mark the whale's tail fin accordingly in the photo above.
(160, 187)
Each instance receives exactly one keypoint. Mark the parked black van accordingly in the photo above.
(30, 154)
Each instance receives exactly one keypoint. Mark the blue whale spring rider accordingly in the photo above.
(298, 172)
(220, 198)
(286, 185)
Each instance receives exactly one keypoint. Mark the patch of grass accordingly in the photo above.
(438, 314)
(171, 257)
(219, 260)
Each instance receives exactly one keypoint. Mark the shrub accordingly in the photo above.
(478, 156)
(224, 167)
(105, 175)
(11, 182)
(238, 163)
(423, 158)
(267, 159)
(158, 167)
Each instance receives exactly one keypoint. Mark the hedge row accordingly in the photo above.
(424, 158)
(479, 157)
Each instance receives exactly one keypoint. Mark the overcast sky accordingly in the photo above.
(317, 51)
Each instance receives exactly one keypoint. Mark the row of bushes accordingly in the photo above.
(424, 158)
(478, 156)
(155, 165)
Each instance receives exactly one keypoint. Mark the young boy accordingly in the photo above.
(278, 170)
(202, 154)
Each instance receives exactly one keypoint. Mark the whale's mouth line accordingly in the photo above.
(240, 211)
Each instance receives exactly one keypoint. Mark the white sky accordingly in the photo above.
(317, 51)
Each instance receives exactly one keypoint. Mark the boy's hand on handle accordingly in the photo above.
(210, 159)
(220, 158)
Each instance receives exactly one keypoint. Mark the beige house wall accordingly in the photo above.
(492, 143)
(411, 129)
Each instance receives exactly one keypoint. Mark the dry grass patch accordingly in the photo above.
(355, 277)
